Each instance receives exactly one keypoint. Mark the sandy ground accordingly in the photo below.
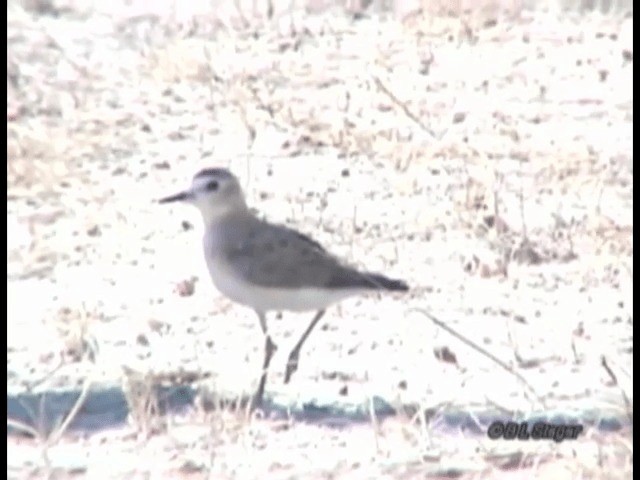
(489, 164)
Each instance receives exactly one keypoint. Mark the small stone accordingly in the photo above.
(162, 165)
(459, 117)
(444, 354)
(186, 288)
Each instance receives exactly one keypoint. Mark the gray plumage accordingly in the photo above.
(266, 266)
(276, 256)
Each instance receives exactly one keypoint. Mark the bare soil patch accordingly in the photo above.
(488, 163)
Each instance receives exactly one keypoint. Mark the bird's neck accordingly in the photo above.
(227, 216)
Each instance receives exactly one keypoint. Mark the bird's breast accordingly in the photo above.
(225, 277)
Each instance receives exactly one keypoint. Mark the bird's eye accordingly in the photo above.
(212, 186)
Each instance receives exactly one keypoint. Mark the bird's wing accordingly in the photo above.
(278, 257)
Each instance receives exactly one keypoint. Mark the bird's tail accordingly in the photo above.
(351, 278)
(380, 282)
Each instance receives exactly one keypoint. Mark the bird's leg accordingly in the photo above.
(292, 363)
(269, 349)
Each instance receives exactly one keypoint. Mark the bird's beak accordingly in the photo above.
(179, 197)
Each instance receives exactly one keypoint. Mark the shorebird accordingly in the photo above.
(269, 267)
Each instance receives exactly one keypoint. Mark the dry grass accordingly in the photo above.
(484, 155)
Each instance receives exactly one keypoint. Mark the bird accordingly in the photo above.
(269, 267)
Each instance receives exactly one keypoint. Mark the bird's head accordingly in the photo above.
(215, 191)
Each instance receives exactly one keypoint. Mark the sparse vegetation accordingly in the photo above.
(486, 152)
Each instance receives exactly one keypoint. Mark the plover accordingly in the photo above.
(269, 267)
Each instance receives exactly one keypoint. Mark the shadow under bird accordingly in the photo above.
(269, 267)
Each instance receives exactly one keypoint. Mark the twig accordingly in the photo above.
(482, 351)
(403, 106)
(614, 379)
(31, 387)
(23, 427)
(55, 436)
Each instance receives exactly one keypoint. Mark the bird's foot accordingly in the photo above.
(258, 396)
(256, 401)
(269, 349)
